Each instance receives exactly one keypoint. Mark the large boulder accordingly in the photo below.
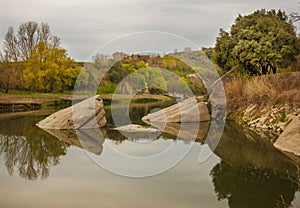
(186, 111)
(87, 114)
(289, 140)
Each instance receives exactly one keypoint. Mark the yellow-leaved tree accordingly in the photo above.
(49, 69)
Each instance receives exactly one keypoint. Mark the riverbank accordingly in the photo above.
(21, 101)
(268, 121)
(265, 104)
(279, 123)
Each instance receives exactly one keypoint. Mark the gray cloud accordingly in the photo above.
(85, 25)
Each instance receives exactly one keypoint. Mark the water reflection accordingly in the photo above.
(90, 139)
(251, 172)
(28, 150)
(242, 147)
(248, 186)
(135, 111)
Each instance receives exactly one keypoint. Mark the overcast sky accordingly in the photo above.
(85, 25)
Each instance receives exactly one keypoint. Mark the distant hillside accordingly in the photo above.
(147, 69)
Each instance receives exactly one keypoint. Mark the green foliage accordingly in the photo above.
(222, 54)
(107, 88)
(141, 65)
(260, 42)
(196, 87)
(175, 65)
(295, 66)
(282, 117)
(128, 67)
(138, 72)
(155, 79)
(145, 100)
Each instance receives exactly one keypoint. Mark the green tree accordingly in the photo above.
(260, 43)
(222, 53)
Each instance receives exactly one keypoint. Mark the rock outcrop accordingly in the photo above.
(186, 111)
(87, 114)
(289, 140)
(272, 118)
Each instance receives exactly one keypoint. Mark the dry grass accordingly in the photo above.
(263, 90)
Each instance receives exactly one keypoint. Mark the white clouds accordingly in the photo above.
(84, 25)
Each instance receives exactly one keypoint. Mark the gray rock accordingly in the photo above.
(248, 112)
(259, 125)
(252, 125)
(272, 115)
(263, 119)
(137, 132)
(186, 111)
(254, 122)
(87, 114)
(136, 128)
(281, 126)
(289, 140)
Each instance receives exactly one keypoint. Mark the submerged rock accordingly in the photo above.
(138, 132)
(289, 140)
(186, 111)
(136, 128)
(87, 114)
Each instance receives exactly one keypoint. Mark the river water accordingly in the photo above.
(42, 169)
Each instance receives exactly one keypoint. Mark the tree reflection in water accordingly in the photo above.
(254, 174)
(246, 186)
(27, 149)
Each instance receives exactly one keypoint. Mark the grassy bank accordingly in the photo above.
(267, 90)
(266, 104)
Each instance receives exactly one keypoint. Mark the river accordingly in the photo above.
(40, 170)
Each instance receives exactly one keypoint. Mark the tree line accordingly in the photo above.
(32, 59)
(259, 43)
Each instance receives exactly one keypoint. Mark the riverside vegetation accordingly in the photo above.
(262, 49)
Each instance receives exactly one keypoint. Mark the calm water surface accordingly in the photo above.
(40, 170)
